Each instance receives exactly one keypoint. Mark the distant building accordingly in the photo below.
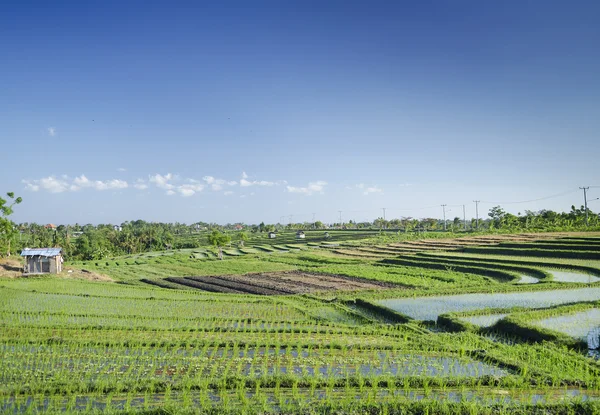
(117, 228)
(50, 226)
(300, 235)
(42, 260)
(238, 227)
(272, 235)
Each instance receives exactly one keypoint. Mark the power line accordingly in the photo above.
(532, 200)
(419, 208)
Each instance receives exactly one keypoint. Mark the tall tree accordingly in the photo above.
(8, 230)
(243, 238)
(219, 240)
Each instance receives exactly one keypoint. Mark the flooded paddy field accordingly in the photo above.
(429, 308)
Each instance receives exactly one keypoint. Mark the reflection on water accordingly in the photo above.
(429, 308)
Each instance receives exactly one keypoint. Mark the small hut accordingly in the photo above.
(300, 235)
(42, 260)
(272, 235)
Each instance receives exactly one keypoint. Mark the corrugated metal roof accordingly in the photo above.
(41, 251)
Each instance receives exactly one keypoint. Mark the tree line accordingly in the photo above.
(89, 242)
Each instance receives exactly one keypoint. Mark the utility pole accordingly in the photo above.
(464, 218)
(291, 216)
(585, 189)
(383, 224)
(340, 218)
(444, 209)
(477, 213)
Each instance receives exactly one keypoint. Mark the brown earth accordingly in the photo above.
(84, 274)
(271, 283)
(10, 268)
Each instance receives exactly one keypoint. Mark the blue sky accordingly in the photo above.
(250, 111)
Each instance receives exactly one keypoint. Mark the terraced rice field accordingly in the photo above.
(429, 308)
(484, 320)
(577, 325)
(280, 327)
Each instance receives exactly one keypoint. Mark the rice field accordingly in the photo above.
(337, 326)
(430, 308)
(577, 325)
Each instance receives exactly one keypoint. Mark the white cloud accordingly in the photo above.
(366, 189)
(190, 189)
(140, 184)
(51, 131)
(227, 193)
(247, 183)
(217, 184)
(244, 182)
(121, 169)
(186, 192)
(56, 185)
(83, 182)
(31, 186)
(170, 183)
(373, 189)
(111, 184)
(162, 182)
(50, 184)
(313, 187)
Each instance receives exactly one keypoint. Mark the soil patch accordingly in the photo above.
(84, 274)
(280, 283)
(11, 268)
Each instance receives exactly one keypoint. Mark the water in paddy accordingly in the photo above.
(279, 400)
(566, 276)
(527, 279)
(106, 363)
(576, 325)
(429, 308)
(485, 320)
